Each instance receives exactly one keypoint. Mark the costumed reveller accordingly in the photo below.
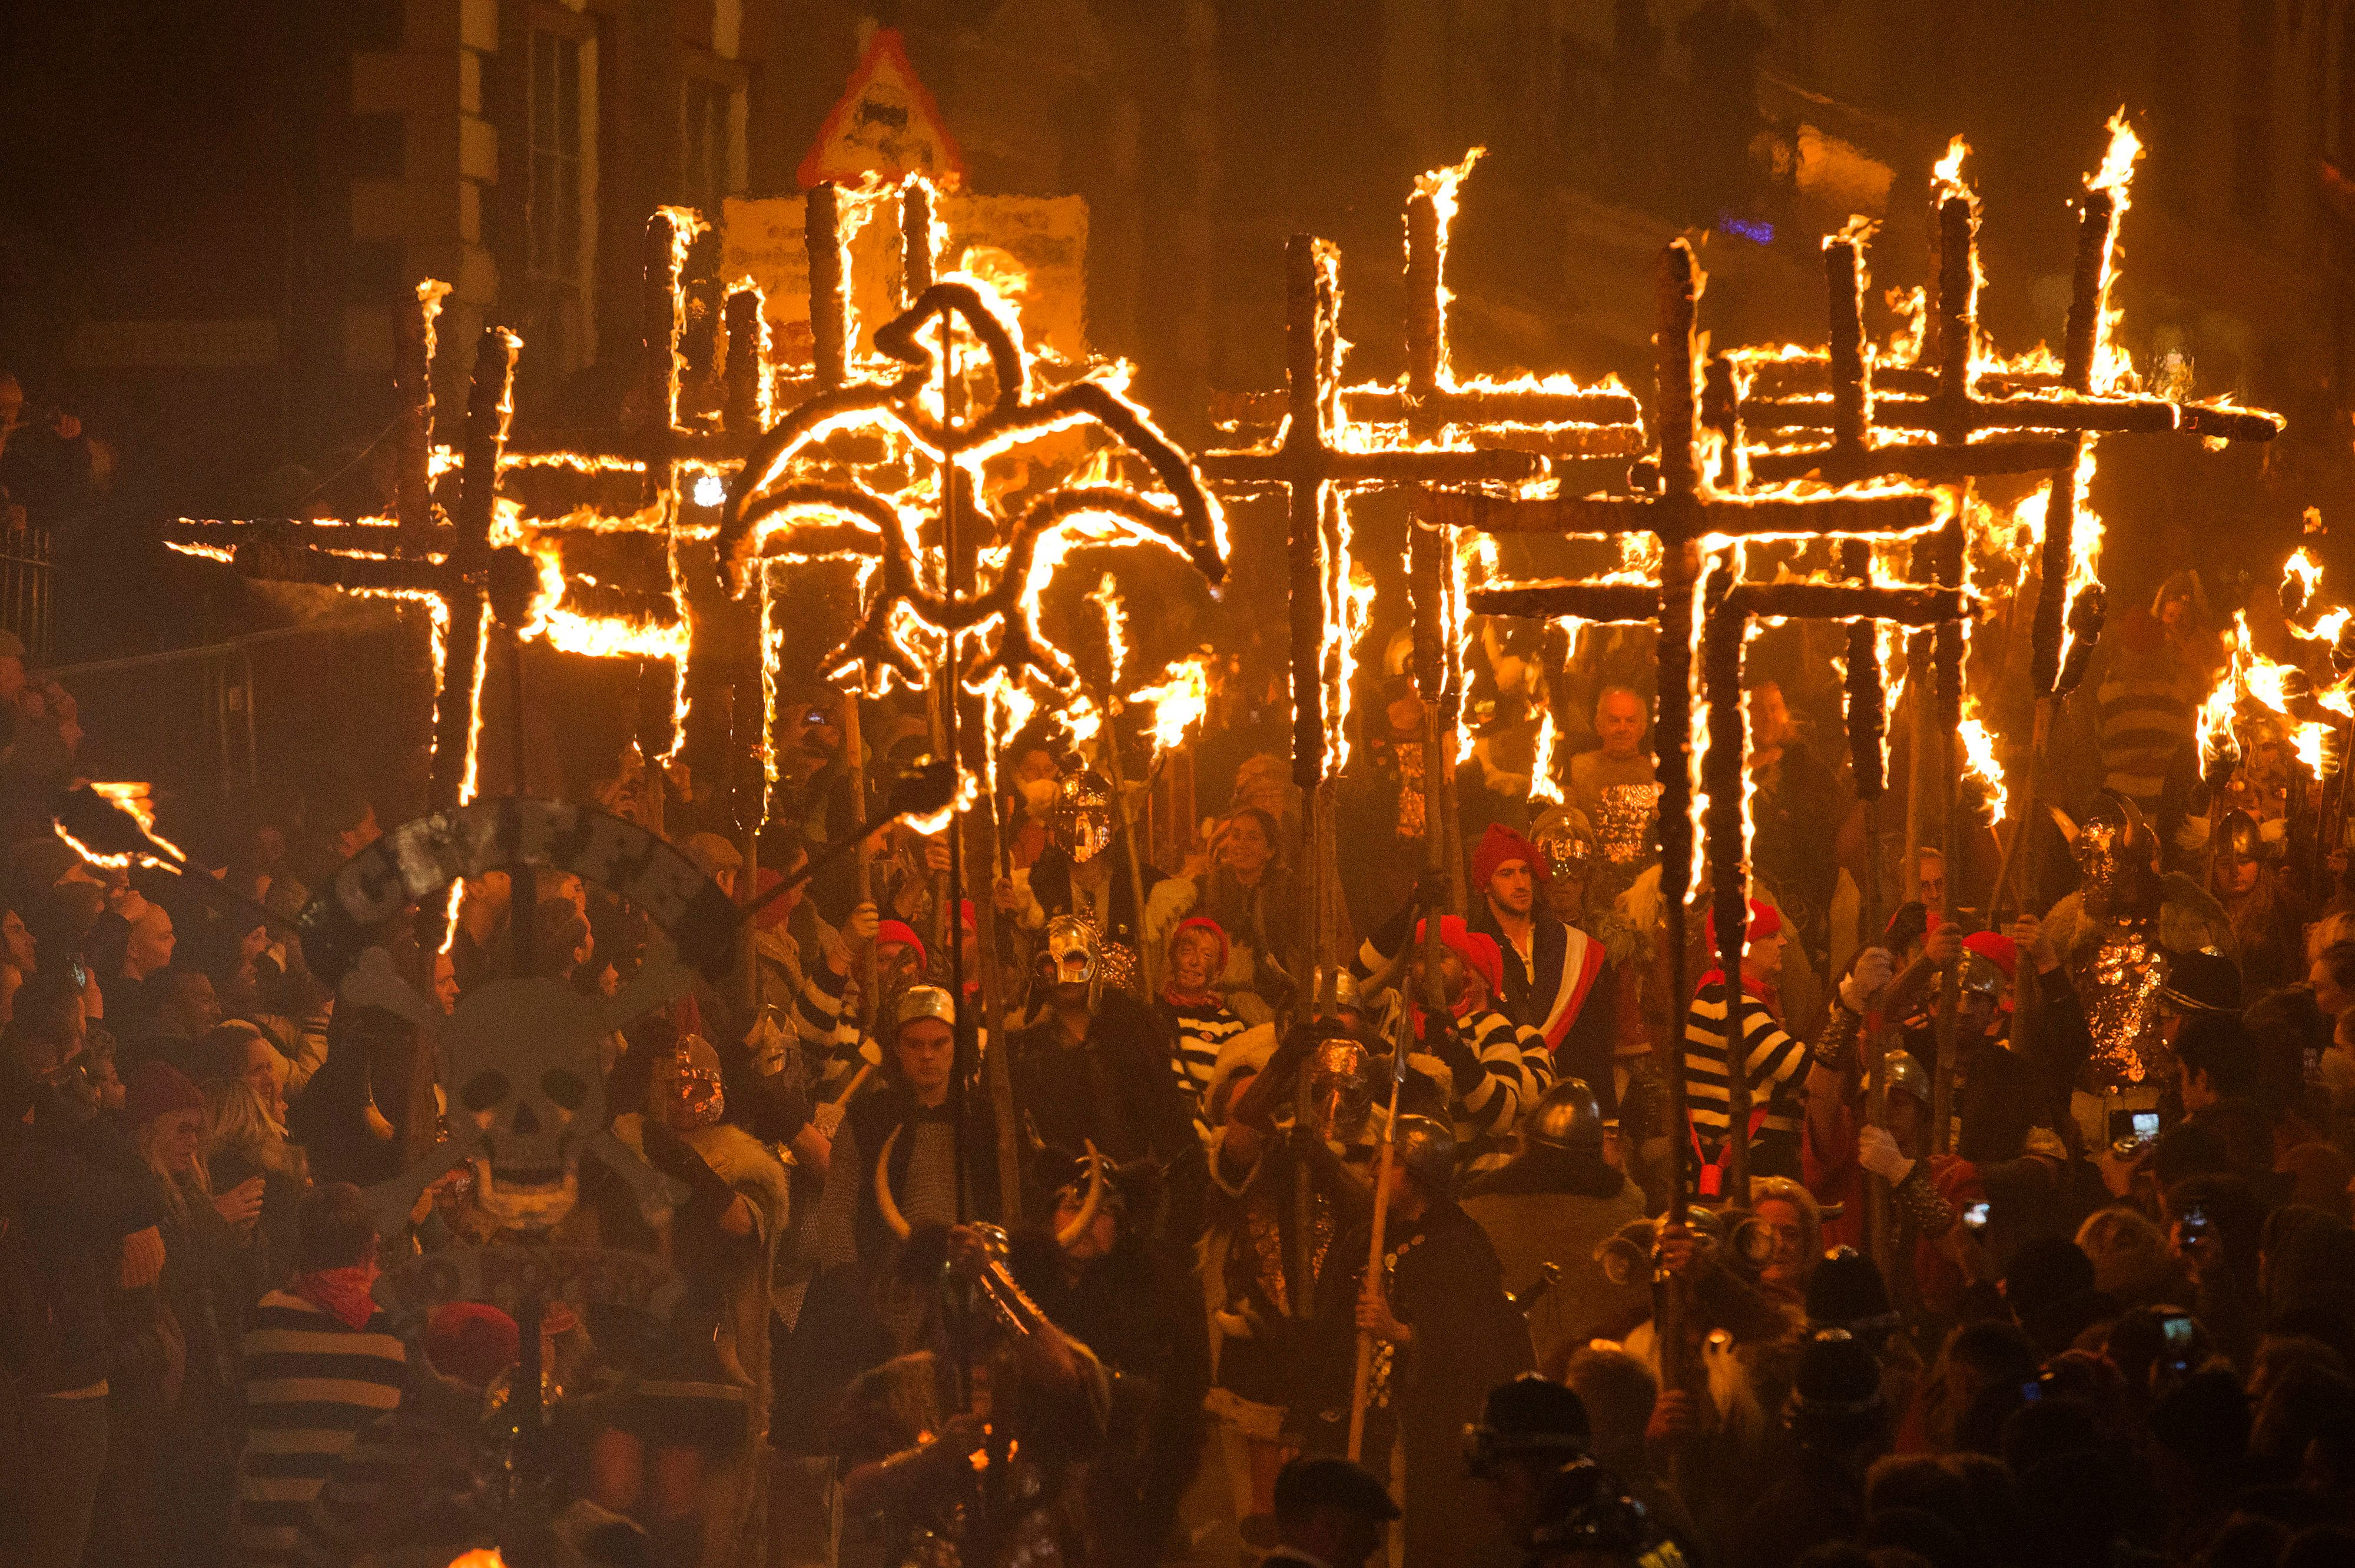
(723, 1238)
(1835, 1089)
(1384, 805)
(2009, 1099)
(1487, 1068)
(2113, 935)
(1199, 1019)
(1081, 873)
(1292, 1146)
(1614, 1002)
(994, 1478)
(1095, 1068)
(1551, 967)
(1137, 1304)
(1772, 1060)
(1444, 1333)
(2268, 919)
(1556, 1203)
(893, 1173)
(805, 970)
(1617, 788)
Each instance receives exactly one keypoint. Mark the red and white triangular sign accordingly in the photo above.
(886, 123)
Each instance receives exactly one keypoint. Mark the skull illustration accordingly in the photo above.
(520, 1057)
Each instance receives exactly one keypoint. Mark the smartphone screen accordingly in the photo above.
(2146, 1126)
(2177, 1327)
(1976, 1216)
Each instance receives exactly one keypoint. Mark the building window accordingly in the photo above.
(559, 203)
(713, 141)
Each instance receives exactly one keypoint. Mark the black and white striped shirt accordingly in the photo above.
(1517, 1068)
(1203, 1030)
(1771, 1059)
(311, 1385)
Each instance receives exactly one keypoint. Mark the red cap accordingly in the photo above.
(774, 912)
(472, 1343)
(899, 931)
(1499, 846)
(1998, 949)
(1218, 934)
(1477, 948)
(1765, 921)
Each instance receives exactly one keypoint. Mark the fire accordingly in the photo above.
(1979, 762)
(1946, 174)
(1115, 619)
(2301, 575)
(2113, 371)
(1542, 783)
(136, 802)
(1444, 187)
(2220, 749)
(2084, 543)
(1178, 703)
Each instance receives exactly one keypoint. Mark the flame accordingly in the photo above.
(1444, 187)
(2301, 575)
(1946, 174)
(1979, 761)
(1115, 619)
(2220, 749)
(2084, 543)
(1541, 781)
(135, 801)
(1178, 703)
(2113, 370)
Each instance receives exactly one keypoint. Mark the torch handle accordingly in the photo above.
(1363, 1385)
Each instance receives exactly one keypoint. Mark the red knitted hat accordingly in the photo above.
(899, 931)
(1477, 948)
(1218, 934)
(1499, 846)
(1765, 921)
(472, 1343)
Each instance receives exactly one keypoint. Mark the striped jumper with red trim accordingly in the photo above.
(1774, 1062)
(311, 1385)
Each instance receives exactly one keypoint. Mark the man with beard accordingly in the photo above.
(1083, 873)
(1551, 967)
(1093, 1069)
(1443, 1332)
(1098, 1278)
(1555, 1204)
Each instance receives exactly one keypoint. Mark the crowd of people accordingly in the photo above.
(1043, 1229)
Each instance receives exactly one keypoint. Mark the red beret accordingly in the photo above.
(899, 931)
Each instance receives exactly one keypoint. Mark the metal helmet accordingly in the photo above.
(1338, 1091)
(1073, 953)
(695, 1082)
(1427, 1150)
(1346, 993)
(1082, 823)
(924, 1001)
(1908, 1076)
(1569, 842)
(1566, 1117)
(1980, 976)
(2238, 838)
(2113, 849)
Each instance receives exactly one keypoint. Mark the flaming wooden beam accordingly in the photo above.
(1691, 516)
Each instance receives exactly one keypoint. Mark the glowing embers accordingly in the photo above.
(797, 499)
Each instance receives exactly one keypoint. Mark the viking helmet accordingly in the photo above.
(1567, 841)
(2112, 848)
(1427, 1150)
(695, 1084)
(1083, 820)
(1907, 1077)
(2238, 838)
(1346, 993)
(1566, 1117)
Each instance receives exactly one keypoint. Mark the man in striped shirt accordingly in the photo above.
(321, 1363)
(1773, 1060)
(1489, 1067)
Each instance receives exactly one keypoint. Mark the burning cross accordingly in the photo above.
(1688, 516)
(506, 551)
